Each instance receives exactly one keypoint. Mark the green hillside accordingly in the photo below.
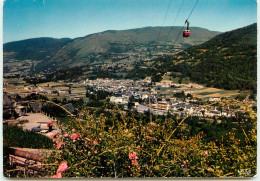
(226, 61)
(124, 46)
(34, 49)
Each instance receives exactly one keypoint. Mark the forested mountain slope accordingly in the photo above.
(226, 61)
(34, 49)
(125, 45)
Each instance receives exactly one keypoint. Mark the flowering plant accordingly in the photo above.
(126, 146)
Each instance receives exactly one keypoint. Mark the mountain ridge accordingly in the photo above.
(114, 41)
(107, 47)
(35, 49)
(226, 61)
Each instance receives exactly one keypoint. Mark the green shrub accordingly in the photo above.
(109, 146)
(15, 136)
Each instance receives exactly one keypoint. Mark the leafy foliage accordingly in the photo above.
(116, 145)
(140, 73)
(53, 110)
(77, 74)
(35, 96)
(15, 136)
(70, 74)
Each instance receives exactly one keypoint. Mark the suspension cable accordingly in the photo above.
(175, 18)
(185, 22)
(179, 33)
(164, 20)
(193, 9)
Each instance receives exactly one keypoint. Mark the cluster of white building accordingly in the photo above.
(153, 101)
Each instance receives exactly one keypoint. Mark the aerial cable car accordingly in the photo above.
(186, 33)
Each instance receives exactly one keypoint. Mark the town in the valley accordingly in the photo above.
(158, 98)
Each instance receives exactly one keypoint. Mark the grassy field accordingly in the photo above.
(202, 93)
(213, 92)
(177, 79)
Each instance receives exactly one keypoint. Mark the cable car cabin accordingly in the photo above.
(186, 33)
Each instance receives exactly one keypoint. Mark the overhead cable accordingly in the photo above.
(164, 19)
(186, 20)
(175, 18)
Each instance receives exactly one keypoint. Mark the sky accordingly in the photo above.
(24, 19)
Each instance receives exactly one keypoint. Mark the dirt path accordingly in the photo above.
(35, 119)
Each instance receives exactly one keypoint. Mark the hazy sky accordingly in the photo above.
(23, 19)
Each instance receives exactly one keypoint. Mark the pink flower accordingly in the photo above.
(95, 151)
(74, 141)
(54, 135)
(153, 124)
(66, 135)
(95, 142)
(59, 145)
(63, 167)
(206, 152)
(74, 136)
(132, 156)
(148, 137)
(134, 162)
(87, 139)
(58, 175)
(100, 139)
(73, 130)
(89, 153)
(54, 140)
